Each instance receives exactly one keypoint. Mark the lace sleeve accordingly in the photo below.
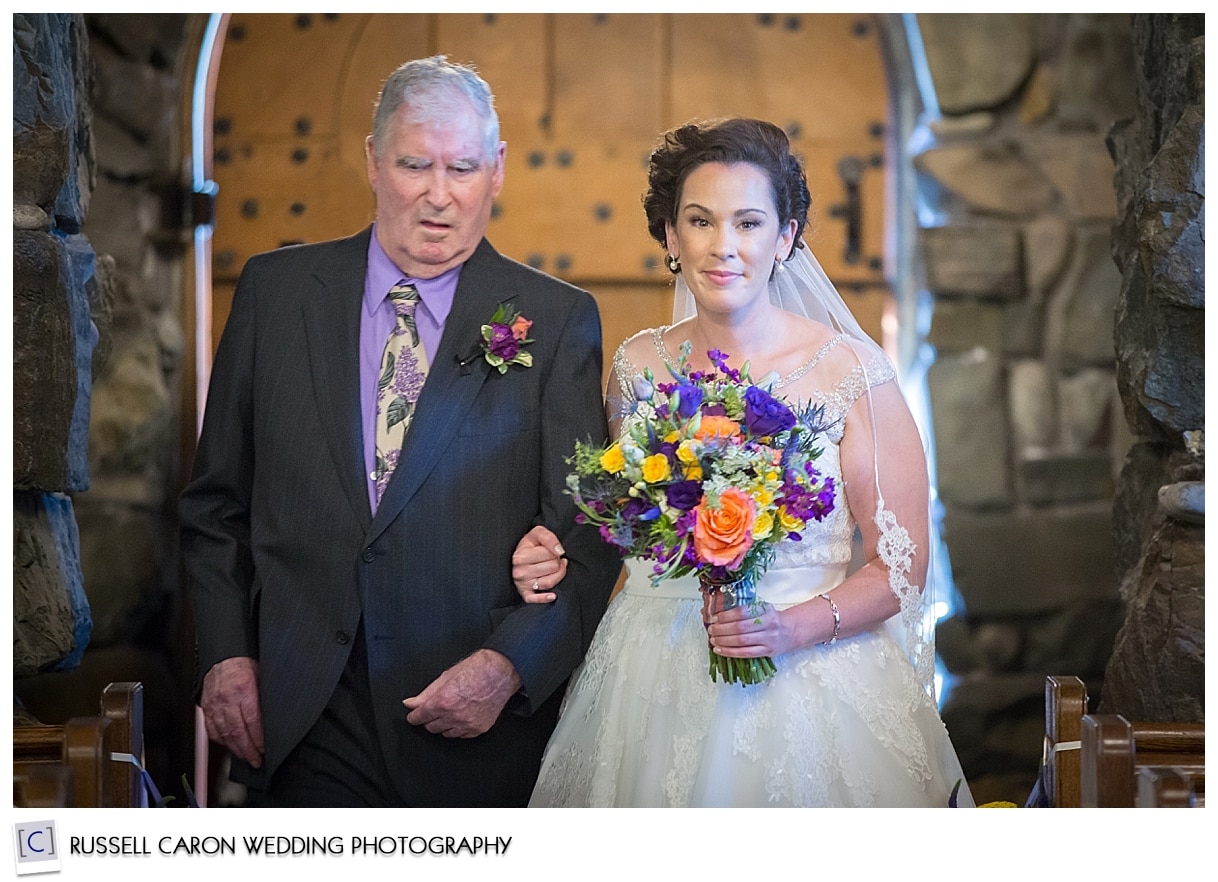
(620, 400)
(850, 388)
(854, 384)
(624, 371)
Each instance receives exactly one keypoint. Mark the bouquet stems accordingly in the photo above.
(745, 671)
(738, 589)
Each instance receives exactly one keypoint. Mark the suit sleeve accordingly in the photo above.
(546, 642)
(214, 508)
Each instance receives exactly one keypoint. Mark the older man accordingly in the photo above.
(369, 459)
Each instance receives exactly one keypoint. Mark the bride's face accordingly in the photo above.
(727, 235)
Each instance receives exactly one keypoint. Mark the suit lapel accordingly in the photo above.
(450, 388)
(331, 310)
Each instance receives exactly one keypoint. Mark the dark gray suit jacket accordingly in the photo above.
(284, 557)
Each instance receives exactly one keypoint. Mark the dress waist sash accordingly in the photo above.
(781, 587)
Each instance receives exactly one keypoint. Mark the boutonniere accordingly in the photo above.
(504, 338)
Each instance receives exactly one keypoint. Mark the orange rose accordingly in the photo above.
(722, 535)
(520, 327)
(717, 427)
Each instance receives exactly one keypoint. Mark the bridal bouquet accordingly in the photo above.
(708, 476)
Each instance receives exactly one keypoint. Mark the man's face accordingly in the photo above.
(434, 187)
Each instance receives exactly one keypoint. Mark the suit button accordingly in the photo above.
(342, 637)
(369, 555)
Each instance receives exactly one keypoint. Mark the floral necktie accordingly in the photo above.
(403, 370)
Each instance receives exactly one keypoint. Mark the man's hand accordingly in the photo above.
(465, 700)
(231, 709)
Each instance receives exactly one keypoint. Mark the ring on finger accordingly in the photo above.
(535, 588)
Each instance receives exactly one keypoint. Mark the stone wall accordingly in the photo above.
(58, 306)
(1157, 671)
(1017, 205)
(96, 435)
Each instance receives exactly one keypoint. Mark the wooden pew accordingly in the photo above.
(41, 785)
(81, 763)
(123, 705)
(1065, 704)
(1116, 751)
(68, 763)
(1169, 787)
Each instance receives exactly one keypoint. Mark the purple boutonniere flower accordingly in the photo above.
(504, 338)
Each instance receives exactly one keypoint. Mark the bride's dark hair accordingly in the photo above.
(729, 141)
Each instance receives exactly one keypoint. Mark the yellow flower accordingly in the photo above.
(789, 522)
(689, 458)
(655, 468)
(1001, 803)
(612, 460)
(672, 436)
(763, 496)
(763, 525)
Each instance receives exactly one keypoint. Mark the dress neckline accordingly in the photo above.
(657, 336)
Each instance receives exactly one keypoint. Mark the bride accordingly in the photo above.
(849, 719)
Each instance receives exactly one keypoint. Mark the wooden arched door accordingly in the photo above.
(581, 98)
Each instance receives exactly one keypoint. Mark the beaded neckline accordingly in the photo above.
(657, 336)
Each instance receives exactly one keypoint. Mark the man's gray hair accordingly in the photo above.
(426, 86)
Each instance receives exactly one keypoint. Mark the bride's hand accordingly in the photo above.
(538, 565)
(751, 632)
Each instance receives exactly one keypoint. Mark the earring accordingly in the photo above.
(674, 265)
(779, 266)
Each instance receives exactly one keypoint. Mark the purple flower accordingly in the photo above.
(684, 495)
(764, 414)
(824, 499)
(719, 358)
(669, 449)
(662, 554)
(690, 398)
(503, 343)
(643, 389)
(803, 502)
(639, 510)
(633, 508)
(686, 522)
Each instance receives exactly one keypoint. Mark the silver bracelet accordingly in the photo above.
(837, 621)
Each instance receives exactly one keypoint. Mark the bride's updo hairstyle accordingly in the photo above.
(757, 142)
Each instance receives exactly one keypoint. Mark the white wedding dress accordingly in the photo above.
(850, 724)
